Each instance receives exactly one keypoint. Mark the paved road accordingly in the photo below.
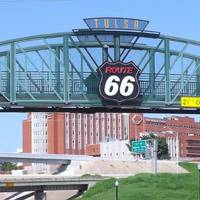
(50, 182)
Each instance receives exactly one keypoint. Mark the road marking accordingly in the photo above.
(9, 184)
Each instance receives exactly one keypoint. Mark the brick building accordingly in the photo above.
(44, 133)
(62, 133)
(185, 128)
(68, 133)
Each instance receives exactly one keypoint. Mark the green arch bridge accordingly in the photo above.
(58, 71)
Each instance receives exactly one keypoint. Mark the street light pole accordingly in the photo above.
(116, 190)
(198, 166)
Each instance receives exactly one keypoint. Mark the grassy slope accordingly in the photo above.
(145, 186)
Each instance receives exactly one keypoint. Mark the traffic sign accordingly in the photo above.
(190, 102)
(138, 146)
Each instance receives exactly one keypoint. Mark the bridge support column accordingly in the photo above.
(152, 73)
(116, 48)
(40, 195)
(167, 72)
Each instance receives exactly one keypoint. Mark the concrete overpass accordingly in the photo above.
(41, 183)
(43, 158)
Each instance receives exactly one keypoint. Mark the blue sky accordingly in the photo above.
(30, 17)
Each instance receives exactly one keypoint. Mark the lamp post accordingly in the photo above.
(116, 190)
(198, 166)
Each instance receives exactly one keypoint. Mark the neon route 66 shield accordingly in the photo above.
(119, 82)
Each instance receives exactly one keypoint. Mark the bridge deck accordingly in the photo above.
(42, 182)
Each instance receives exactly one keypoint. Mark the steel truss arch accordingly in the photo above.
(59, 70)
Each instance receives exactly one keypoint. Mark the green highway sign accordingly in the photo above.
(138, 146)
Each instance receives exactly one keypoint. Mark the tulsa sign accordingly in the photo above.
(116, 23)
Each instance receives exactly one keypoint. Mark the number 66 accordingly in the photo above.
(126, 87)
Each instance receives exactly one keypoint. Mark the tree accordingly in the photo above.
(150, 136)
(8, 166)
(163, 152)
(162, 149)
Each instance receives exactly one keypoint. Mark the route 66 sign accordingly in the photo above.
(119, 82)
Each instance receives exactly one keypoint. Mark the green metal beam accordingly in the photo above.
(131, 47)
(139, 47)
(57, 69)
(105, 53)
(81, 80)
(180, 55)
(5, 94)
(28, 80)
(184, 72)
(85, 59)
(66, 67)
(186, 82)
(92, 58)
(28, 76)
(12, 68)
(38, 70)
(157, 47)
(142, 59)
(8, 74)
(116, 48)
(167, 72)
(152, 73)
(198, 77)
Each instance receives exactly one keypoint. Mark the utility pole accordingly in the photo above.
(154, 156)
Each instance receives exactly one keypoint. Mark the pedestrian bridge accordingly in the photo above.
(58, 71)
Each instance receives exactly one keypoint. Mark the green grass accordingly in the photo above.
(163, 186)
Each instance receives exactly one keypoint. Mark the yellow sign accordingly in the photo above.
(190, 102)
(9, 184)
